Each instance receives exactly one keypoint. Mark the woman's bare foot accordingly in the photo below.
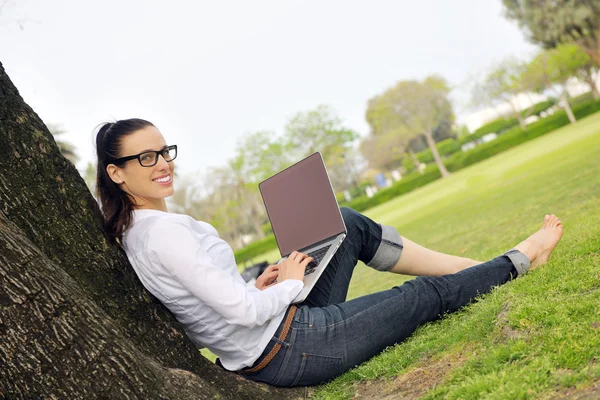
(538, 246)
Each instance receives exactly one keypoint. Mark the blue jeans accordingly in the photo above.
(329, 335)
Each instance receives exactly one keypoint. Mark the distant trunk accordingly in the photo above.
(522, 123)
(75, 322)
(519, 115)
(436, 154)
(567, 107)
(593, 50)
(589, 79)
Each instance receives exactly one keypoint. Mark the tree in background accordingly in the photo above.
(230, 199)
(412, 108)
(552, 69)
(321, 130)
(383, 152)
(587, 69)
(66, 148)
(550, 23)
(502, 85)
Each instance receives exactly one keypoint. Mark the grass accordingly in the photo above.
(535, 337)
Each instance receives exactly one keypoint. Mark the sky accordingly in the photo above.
(208, 72)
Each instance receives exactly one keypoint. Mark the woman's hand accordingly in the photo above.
(268, 277)
(293, 267)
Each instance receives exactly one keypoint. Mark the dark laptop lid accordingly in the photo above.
(301, 205)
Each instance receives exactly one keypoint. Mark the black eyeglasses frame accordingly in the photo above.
(161, 152)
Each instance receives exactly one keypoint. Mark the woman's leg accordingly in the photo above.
(327, 341)
(379, 247)
(417, 260)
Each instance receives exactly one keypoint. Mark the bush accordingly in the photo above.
(408, 164)
(537, 108)
(496, 126)
(255, 249)
(501, 125)
(516, 136)
(407, 184)
(446, 147)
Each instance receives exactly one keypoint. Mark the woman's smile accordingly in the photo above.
(164, 180)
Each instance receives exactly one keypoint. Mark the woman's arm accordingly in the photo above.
(175, 248)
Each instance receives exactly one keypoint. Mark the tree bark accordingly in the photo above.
(436, 154)
(75, 322)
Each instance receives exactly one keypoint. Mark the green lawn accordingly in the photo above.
(536, 337)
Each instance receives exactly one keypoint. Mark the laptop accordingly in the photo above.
(304, 215)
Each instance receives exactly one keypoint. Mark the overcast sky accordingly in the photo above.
(208, 72)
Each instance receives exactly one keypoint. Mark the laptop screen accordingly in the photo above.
(301, 205)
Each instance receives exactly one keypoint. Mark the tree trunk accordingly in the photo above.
(518, 115)
(436, 154)
(567, 107)
(593, 51)
(75, 322)
(589, 79)
(522, 123)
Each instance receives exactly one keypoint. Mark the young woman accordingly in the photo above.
(254, 329)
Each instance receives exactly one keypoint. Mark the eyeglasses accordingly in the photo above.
(150, 158)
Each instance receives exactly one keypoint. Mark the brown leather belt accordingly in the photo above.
(284, 332)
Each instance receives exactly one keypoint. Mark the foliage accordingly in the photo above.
(255, 249)
(228, 197)
(411, 108)
(445, 148)
(322, 130)
(553, 68)
(383, 152)
(500, 125)
(503, 84)
(550, 23)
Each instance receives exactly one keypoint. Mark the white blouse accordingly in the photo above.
(185, 264)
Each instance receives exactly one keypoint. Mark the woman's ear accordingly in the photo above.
(114, 173)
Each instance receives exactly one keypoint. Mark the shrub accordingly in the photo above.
(516, 136)
(501, 125)
(407, 184)
(255, 249)
(496, 126)
(408, 164)
(446, 147)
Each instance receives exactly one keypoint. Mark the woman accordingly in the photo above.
(254, 330)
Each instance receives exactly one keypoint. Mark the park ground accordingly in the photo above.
(535, 337)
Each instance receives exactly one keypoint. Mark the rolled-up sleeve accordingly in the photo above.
(174, 247)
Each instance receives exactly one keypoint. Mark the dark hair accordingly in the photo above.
(117, 206)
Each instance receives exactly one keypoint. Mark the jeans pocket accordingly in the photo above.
(315, 368)
(303, 318)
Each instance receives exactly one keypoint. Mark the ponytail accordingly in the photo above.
(116, 204)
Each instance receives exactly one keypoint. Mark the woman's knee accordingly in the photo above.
(352, 218)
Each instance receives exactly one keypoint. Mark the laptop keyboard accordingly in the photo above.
(317, 256)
